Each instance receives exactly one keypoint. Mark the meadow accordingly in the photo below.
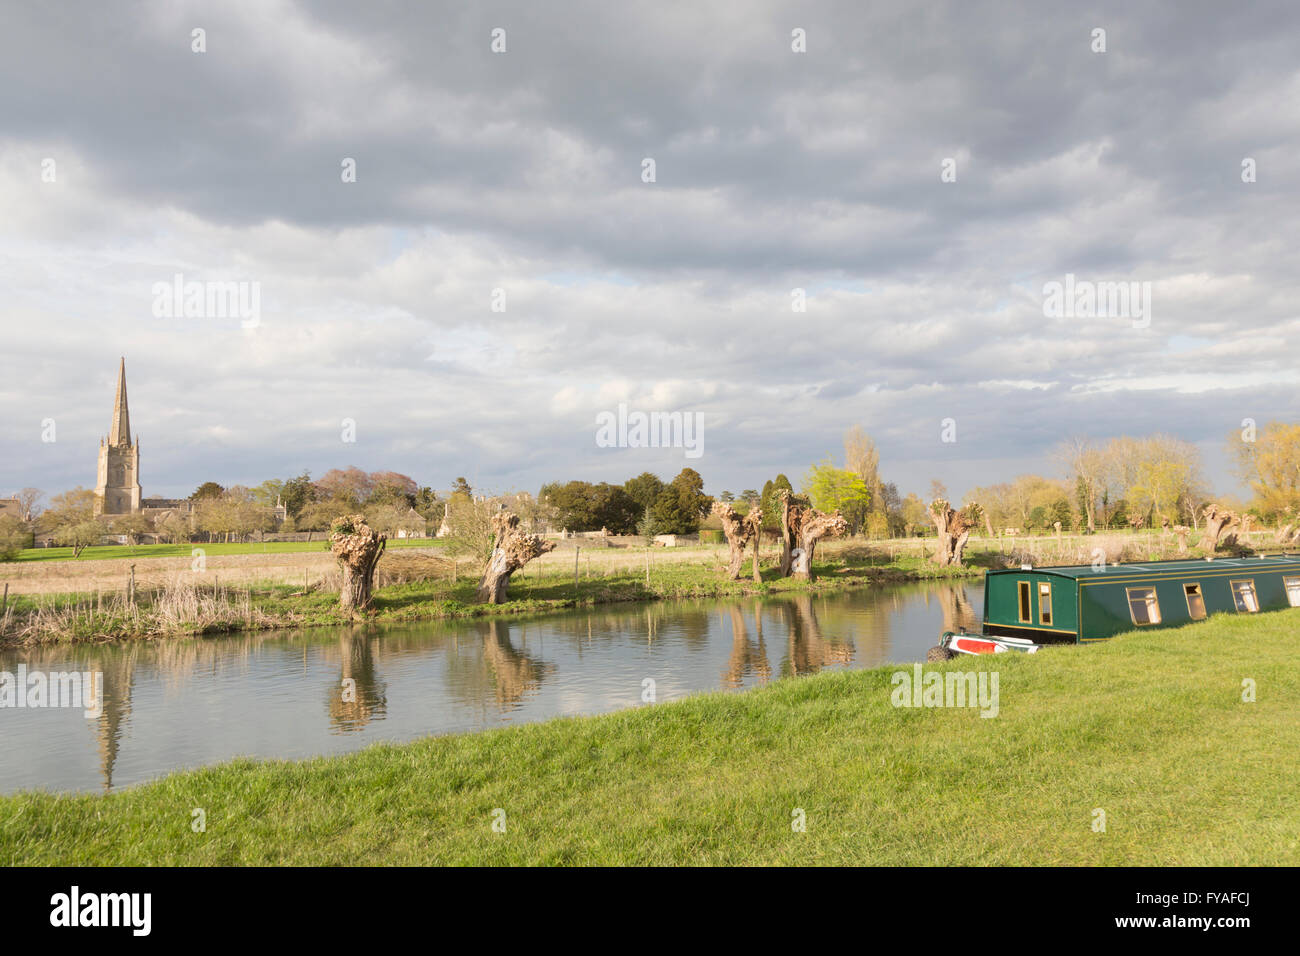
(1141, 751)
(240, 587)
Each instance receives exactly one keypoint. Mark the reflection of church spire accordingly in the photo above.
(115, 697)
(120, 433)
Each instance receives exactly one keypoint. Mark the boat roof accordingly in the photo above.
(1271, 562)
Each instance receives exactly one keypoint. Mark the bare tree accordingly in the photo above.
(1086, 464)
(470, 528)
(862, 457)
(954, 528)
(801, 528)
(71, 520)
(29, 502)
(753, 524)
(511, 551)
(358, 548)
(1221, 526)
(787, 532)
(736, 533)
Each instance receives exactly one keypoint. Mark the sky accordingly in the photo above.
(921, 171)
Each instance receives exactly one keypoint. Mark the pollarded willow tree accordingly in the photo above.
(954, 528)
(358, 548)
(801, 528)
(1221, 527)
(738, 532)
(511, 550)
(1288, 532)
(753, 524)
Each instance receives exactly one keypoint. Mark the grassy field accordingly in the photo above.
(1150, 728)
(419, 587)
(1044, 548)
(143, 552)
(243, 589)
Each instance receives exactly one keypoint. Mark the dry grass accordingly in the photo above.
(65, 577)
(177, 607)
(317, 569)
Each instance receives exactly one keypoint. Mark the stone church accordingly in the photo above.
(117, 486)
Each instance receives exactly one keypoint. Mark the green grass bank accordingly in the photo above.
(1150, 728)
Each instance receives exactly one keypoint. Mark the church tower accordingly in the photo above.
(117, 488)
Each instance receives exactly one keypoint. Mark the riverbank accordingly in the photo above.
(1140, 751)
(191, 604)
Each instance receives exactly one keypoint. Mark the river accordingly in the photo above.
(173, 704)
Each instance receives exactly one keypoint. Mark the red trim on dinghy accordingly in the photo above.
(974, 646)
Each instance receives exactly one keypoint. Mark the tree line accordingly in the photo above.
(1115, 483)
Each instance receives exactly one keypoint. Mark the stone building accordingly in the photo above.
(117, 485)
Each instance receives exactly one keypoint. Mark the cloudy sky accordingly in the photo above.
(522, 171)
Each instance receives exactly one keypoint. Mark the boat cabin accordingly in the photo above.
(1080, 604)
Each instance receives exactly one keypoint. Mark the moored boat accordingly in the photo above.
(1027, 608)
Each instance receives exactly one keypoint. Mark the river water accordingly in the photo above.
(174, 704)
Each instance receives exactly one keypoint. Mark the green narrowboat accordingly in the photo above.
(1027, 608)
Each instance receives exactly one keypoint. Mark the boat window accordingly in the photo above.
(1195, 601)
(1024, 601)
(1143, 605)
(1292, 590)
(1044, 603)
(1243, 595)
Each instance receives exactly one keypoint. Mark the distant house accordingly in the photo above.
(12, 507)
(412, 525)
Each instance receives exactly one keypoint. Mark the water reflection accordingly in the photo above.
(173, 704)
(748, 657)
(358, 695)
(514, 673)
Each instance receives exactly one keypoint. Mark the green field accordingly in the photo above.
(139, 551)
(1150, 728)
(203, 606)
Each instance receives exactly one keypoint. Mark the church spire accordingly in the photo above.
(120, 434)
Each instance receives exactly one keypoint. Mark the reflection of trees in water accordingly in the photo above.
(861, 625)
(357, 663)
(807, 649)
(747, 657)
(693, 625)
(958, 612)
(485, 665)
(514, 673)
